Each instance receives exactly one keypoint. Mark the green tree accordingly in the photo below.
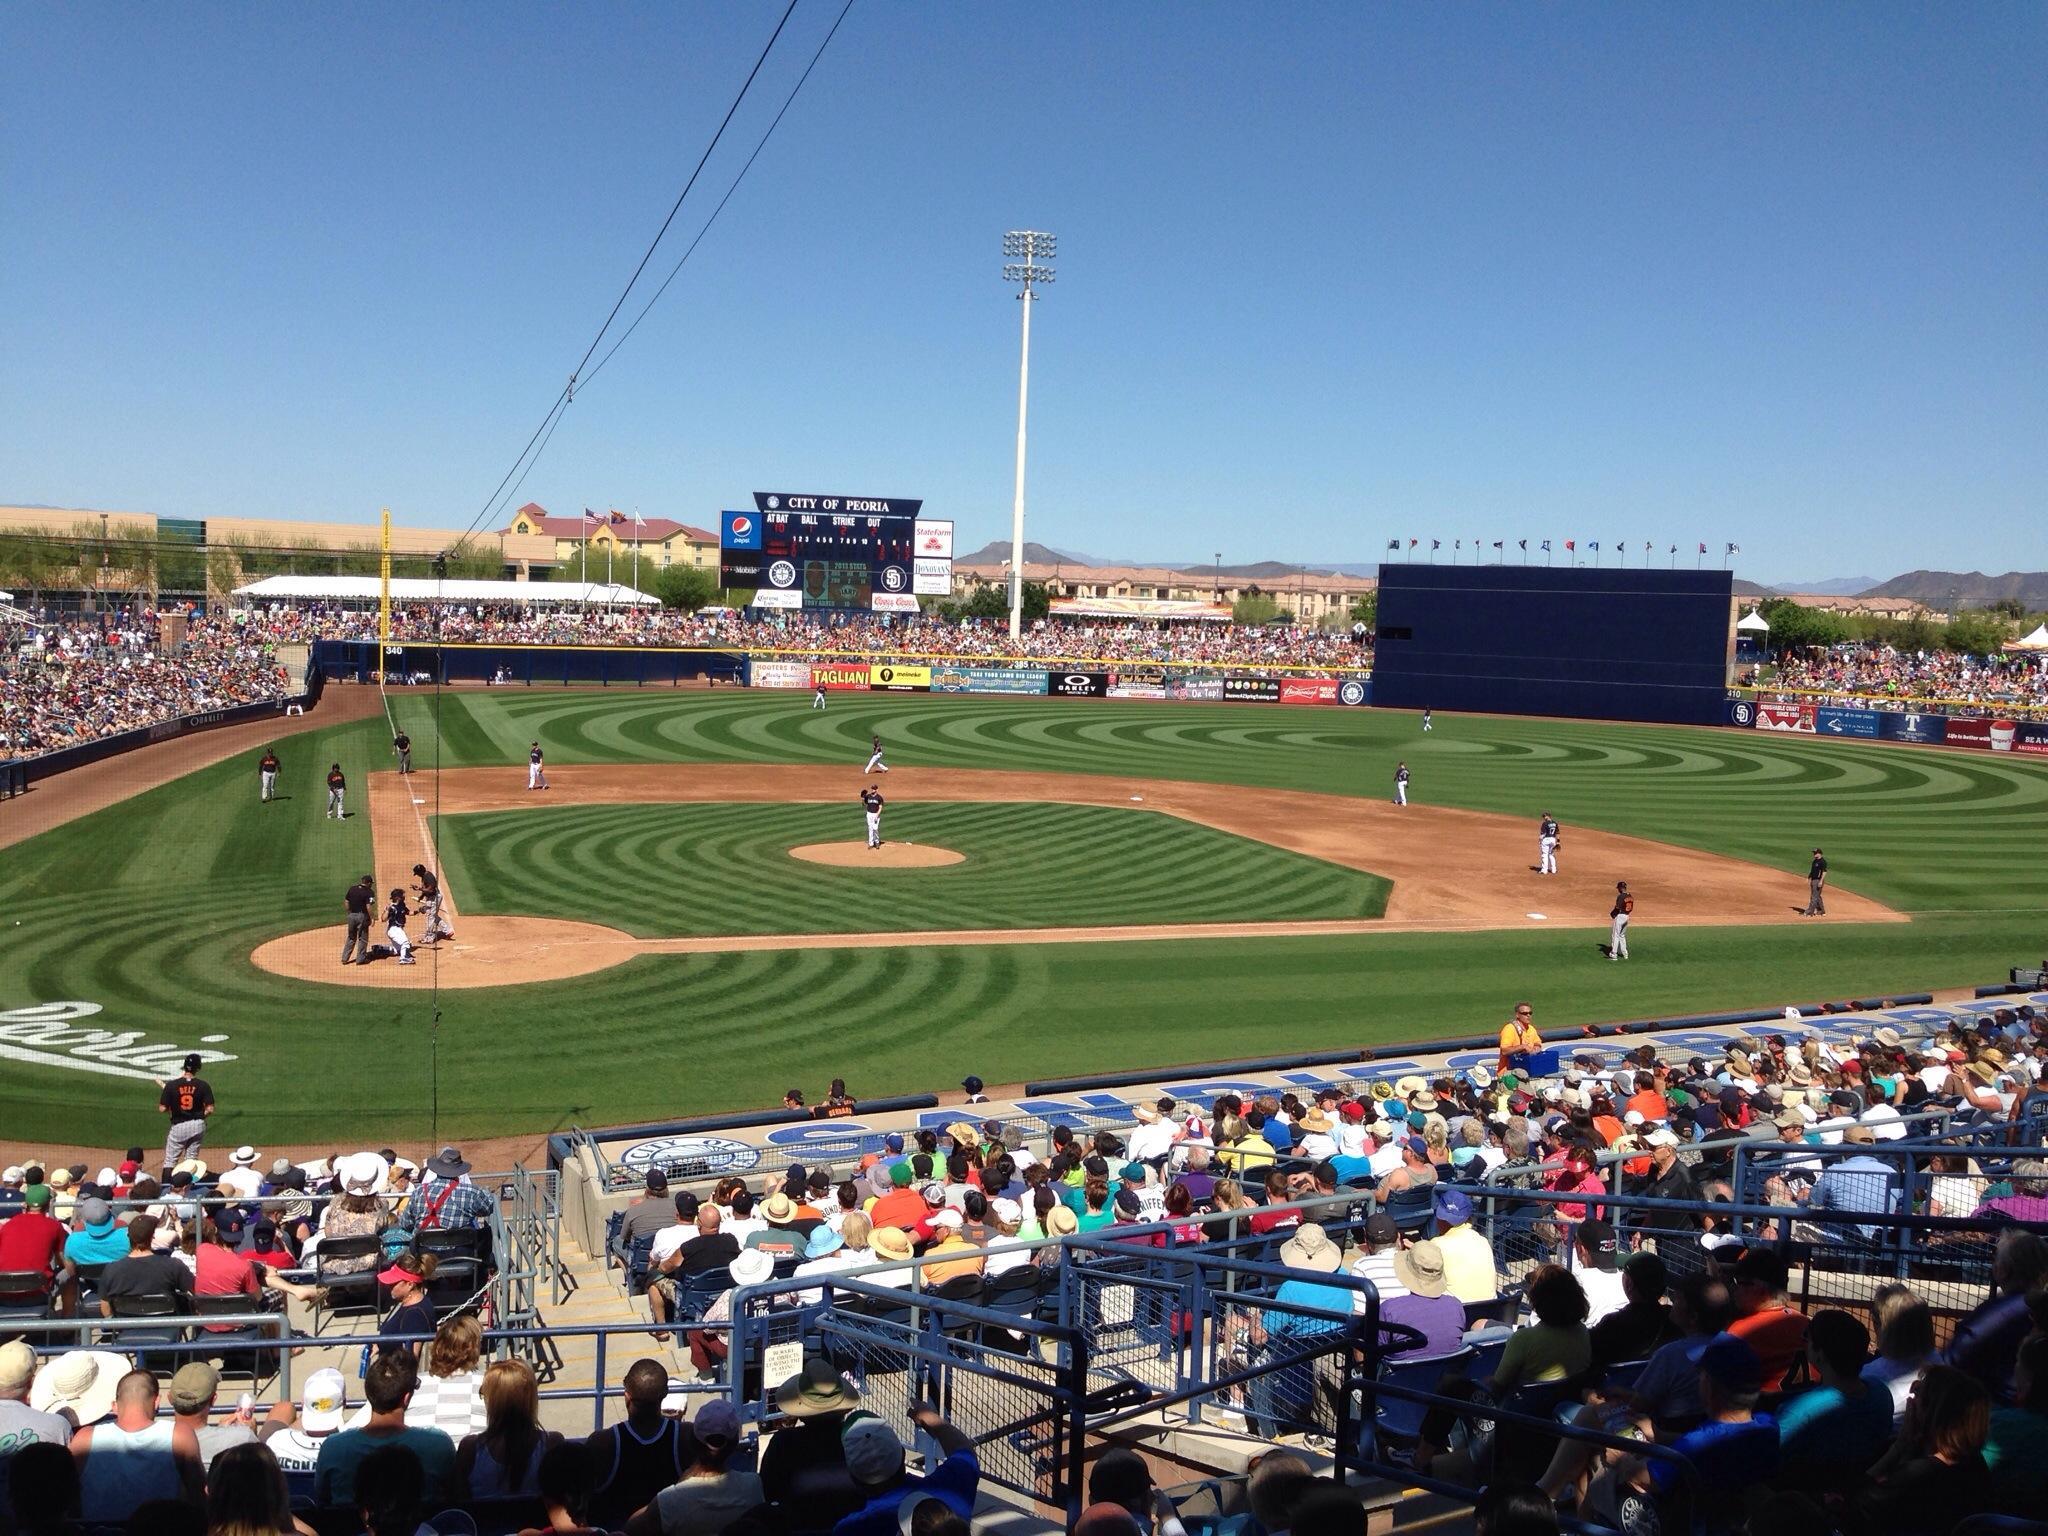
(2009, 608)
(685, 587)
(1365, 609)
(1254, 607)
(1976, 634)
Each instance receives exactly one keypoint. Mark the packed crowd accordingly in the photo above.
(1895, 1412)
(67, 682)
(1881, 672)
(885, 638)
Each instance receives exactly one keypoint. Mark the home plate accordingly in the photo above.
(1536, 917)
(1137, 797)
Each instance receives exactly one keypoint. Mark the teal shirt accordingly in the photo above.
(1823, 1426)
(334, 1477)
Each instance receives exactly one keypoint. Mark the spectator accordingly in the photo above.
(1468, 1257)
(1556, 1347)
(1376, 1260)
(1905, 1343)
(1834, 1431)
(98, 1239)
(448, 1394)
(359, 1210)
(630, 1462)
(246, 1494)
(1935, 1469)
(503, 1459)
(406, 1278)
(1425, 1306)
(1986, 1342)
(135, 1457)
(391, 1490)
(20, 1425)
(295, 1434)
(709, 1347)
(1859, 1184)
(565, 1492)
(2029, 1198)
(144, 1274)
(874, 1457)
(193, 1390)
(1644, 1324)
(1764, 1316)
(1596, 1249)
(2016, 1447)
(1509, 1508)
(445, 1199)
(652, 1213)
(710, 1495)
(1735, 1449)
(1279, 1482)
(804, 1466)
(47, 1492)
(32, 1241)
(1120, 1477)
(387, 1384)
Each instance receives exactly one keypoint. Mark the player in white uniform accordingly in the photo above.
(1401, 784)
(1617, 932)
(1425, 720)
(875, 763)
(818, 697)
(1546, 845)
(871, 802)
(394, 926)
(536, 773)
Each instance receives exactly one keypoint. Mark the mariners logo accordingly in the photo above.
(781, 574)
(691, 1157)
(1351, 691)
(774, 502)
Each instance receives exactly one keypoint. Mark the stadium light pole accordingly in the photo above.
(1025, 251)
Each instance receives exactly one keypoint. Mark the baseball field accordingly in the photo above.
(1102, 885)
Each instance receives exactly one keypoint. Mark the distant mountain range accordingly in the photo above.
(1972, 589)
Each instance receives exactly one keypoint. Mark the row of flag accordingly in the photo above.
(1571, 546)
(619, 519)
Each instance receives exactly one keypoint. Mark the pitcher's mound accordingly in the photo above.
(856, 855)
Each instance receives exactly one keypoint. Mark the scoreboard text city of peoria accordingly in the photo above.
(872, 553)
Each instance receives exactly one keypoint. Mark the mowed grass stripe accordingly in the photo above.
(660, 870)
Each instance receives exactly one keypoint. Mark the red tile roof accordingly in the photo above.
(654, 530)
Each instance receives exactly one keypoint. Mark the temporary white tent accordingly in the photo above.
(2035, 643)
(364, 589)
(1753, 623)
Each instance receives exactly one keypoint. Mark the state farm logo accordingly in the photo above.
(933, 544)
(781, 574)
(43, 1034)
(892, 578)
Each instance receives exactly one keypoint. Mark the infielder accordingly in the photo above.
(431, 906)
(818, 696)
(536, 774)
(1816, 887)
(337, 791)
(871, 801)
(394, 926)
(266, 773)
(1618, 916)
(875, 763)
(1546, 845)
(1401, 784)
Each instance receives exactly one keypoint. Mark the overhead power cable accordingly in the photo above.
(567, 395)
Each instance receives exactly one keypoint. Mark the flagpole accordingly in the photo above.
(637, 526)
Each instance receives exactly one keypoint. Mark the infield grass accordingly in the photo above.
(150, 910)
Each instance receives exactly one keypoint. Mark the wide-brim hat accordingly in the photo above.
(1421, 1269)
(82, 1380)
(244, 1157)
(1382, 1089)
(448, 1163)
(1888, 1037)
(754, 1266)
(1311, 1248)
(816, 1389)
(362, 1173)
(1407, 1087)
(193, 1165)
(1316, 1120)
(893, 1243)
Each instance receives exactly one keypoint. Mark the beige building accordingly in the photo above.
(662, 541)
(1316, 599)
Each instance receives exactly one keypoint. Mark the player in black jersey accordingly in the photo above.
(871, 801)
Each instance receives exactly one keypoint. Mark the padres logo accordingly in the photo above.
(892, 578)
(1743, 714)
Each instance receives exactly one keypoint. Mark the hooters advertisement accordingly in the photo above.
(1785, 717)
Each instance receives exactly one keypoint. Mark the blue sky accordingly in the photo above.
(1328, 274)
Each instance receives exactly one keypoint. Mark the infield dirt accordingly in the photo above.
(1451, 870)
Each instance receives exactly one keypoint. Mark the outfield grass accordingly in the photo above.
(150, 910)
(722, 869)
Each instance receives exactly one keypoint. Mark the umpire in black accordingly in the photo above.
(361, 898)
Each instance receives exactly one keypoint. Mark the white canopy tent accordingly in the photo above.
(365, 589)
(1753, 623)
(2035, 644)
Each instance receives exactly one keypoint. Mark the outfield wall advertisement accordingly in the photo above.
(1784, 717)
(1010, 680)
(1845, 722)
(840, 675)
(779, 674)
(897, 677)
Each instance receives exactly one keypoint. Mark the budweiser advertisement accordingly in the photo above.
(1308, 690)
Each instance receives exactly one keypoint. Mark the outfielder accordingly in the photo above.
(875, 763)
(1618, 916)
(871, 801)
(337, 791)
(1546, 845)
(1425, 720)
(536, 774)
(1401, 784)
(266, 773)
(818, 696)
(431, 906)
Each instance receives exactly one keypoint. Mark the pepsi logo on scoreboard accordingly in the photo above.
(739, 530)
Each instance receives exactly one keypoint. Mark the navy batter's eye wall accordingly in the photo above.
(1532, 640)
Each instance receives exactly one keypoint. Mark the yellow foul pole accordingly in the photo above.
(383, 592)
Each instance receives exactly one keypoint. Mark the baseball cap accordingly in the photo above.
(324, 1400)
(96, 1216)
(193, 1386)
(1732, 1366)
(17, 1366)
(1453, 1208)
(1380, 1229)
(1663, 1136)
(873, 1452)
(893, 1141)
(1127, 1202)
(1352, 1110)
(1597, 1237)
(717, 1423)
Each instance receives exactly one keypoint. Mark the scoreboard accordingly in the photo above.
(860, 552)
